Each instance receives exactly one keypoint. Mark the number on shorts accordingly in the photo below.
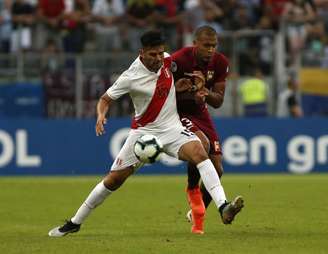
(187, 123)
(187, 132)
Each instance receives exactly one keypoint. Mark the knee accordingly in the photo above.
(199, 154)
(206, 145)
(116, 178)
(113, 182)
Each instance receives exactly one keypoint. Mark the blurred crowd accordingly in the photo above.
(114, 26)
(76, 26)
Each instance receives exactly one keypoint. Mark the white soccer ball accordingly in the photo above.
(148, 148)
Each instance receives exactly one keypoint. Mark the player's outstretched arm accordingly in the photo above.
(102, 109)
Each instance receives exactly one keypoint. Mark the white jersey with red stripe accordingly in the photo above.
(153, 96)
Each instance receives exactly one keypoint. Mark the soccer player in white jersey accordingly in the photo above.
(150, 84)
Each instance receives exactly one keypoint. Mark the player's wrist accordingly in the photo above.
(101, 115)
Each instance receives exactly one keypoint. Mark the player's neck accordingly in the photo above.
(150, 68)
(200, 62)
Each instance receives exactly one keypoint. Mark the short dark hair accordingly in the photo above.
(208, 30)
(152, 38)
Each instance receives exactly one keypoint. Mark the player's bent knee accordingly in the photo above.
(113, 181)
(199, 154)
(206, 145)
(193, 152)
(116, 178)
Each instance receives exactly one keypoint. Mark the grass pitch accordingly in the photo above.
(282, 214)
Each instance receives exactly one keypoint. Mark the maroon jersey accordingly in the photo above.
(193, 114)
(184, 61)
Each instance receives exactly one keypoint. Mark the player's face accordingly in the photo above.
(152, 57)
(205, 46)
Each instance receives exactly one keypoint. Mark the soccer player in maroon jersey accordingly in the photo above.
(201, 72)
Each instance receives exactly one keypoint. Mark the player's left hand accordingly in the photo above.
(101, 121)
(199, 79)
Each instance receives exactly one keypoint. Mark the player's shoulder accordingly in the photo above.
(220, 58)
(135, 70)
(129, 74)
(167, 60)
(183, 53)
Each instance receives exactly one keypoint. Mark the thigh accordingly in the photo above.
(193, 152)
(174, 139)
(206, 126)
(116, 178)
(126, 157)
(187, 123)
(204, 139)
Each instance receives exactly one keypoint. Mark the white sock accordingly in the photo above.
(212, 182)
(95, 198)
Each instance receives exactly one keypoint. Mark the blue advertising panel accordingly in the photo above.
(22, 100)
(67, 147)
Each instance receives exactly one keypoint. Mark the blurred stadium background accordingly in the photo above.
(58, 56)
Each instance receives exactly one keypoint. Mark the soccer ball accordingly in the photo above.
(148, 148)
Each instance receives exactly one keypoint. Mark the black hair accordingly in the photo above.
(208, 30)
(152, 38)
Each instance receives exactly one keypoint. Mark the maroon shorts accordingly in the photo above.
(194, 124)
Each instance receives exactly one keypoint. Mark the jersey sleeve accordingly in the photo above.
(222, 68)
(121, 86)
(177, 64)
(167, 60)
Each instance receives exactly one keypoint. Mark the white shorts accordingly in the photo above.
(172, 141)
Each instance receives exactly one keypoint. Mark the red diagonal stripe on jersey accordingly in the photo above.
(161, 93)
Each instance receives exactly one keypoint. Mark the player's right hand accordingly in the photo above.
(101, 121)
(199, 79)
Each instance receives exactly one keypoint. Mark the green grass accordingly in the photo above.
(283, 214)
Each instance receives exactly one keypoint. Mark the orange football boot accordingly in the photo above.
(197, 210)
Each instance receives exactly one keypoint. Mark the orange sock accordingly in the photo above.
(197, 210)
